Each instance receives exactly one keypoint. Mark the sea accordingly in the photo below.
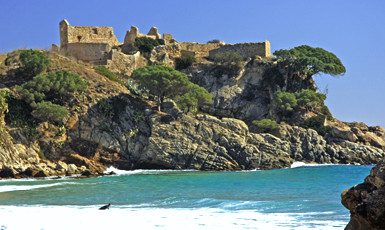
(301, 197)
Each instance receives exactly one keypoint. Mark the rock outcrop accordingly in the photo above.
(366, 201)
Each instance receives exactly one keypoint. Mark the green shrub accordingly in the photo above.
(53, 87)
(310, 99)
(317, 123)
(48, 111)
(145, 44)
(33, 62)
(284, 102)
(222, 134)
(227, 63)
(184, 61)
(105, 72)
(19, 115)
(195, 97)
(138, 117)
(214, 41)
(265, 125)
(325, 111)
(41, 154)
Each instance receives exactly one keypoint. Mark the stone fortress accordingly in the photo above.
(99, 46)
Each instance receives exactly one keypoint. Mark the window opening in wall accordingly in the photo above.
(79, 38)
(95, 31)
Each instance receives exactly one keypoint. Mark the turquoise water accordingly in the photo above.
(306, 197)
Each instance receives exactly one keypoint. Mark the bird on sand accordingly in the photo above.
(105, 207)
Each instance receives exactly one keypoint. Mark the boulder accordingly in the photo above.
(375, 140)
(345, 134)
(42, 173)
(61, 166)
(359, 125)
(366, 201)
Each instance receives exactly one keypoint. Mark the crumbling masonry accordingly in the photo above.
(99, 46)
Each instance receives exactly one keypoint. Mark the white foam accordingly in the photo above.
(142, 171)
(120, 217)
(8, 188)
(298, 164)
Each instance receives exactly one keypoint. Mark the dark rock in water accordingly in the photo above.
(42, 174)
(366, 201)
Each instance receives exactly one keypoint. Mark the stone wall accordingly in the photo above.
(244, 49)
(199, 49)
(95, 53)
(86, 34)
(124, 64)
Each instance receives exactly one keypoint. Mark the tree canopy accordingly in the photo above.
(196, 96)
(306, 60)
(54, 86)
(34, 62)
(162, 81)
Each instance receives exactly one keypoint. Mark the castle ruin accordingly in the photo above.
(99, 46)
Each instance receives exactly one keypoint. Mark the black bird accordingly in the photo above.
(105, 207)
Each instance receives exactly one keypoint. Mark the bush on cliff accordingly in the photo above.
(19, 115)
(325, 111)
(213, 41)
(33, 62)
(145, 44)
(284, 102)
(317, 123)
(48, 111)
(195, 97)
(310, 99)
(107, 73)
(52, 88)
(184, 61)
(227, 63)
(265, 125)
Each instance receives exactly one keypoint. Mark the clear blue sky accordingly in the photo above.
(353, 30)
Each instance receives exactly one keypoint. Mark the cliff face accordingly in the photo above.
(366, 201)
(233, 96)
(108, 125)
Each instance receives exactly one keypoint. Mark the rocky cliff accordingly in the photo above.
(366, 201)
(108, 125)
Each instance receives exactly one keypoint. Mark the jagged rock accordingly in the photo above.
(366, 201)
(61, 166)
(345, 134)
(359, 125)
(72, 168)
(375, 140)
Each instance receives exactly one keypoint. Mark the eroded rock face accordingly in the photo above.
(233, 96)
(366, 201)
(174, 140)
